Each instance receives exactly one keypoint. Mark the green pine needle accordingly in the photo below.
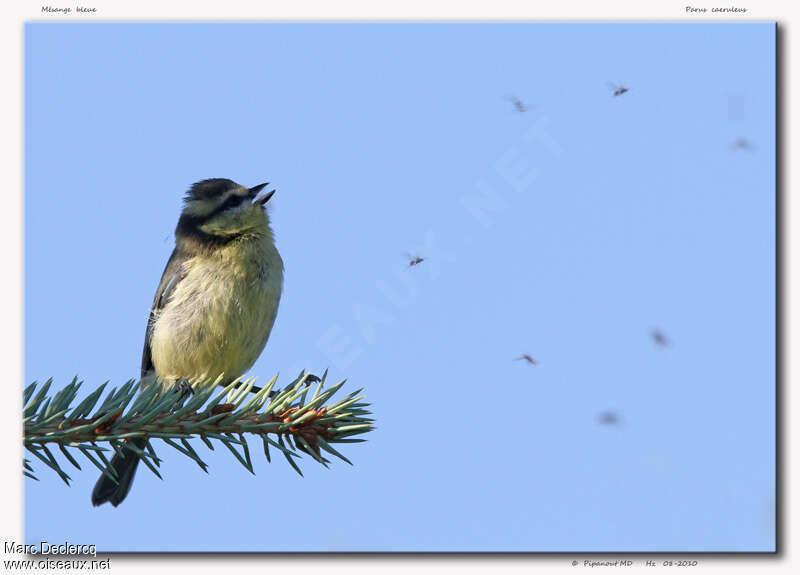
(296, 414)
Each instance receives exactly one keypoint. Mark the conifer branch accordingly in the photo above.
(142, 410)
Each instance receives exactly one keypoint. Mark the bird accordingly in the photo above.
(215, 305)
(527, 358)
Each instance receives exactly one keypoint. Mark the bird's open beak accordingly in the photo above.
(253, 192)
(263, 199)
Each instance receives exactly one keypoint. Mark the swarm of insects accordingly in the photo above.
(527, 358)
(617, 89)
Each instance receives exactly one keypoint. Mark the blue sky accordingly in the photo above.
(567, 232)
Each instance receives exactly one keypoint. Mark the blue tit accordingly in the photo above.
(215, 305)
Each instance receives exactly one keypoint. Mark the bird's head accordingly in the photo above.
(219, 210)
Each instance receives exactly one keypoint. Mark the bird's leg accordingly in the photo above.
(184, 388)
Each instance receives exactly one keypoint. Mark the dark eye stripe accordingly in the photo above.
(189, 224)
(234, 200)
(231, 202)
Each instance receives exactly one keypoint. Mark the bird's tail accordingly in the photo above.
(125, 467)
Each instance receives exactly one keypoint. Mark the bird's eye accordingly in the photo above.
(231, 202)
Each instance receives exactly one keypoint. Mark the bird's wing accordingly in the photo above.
(172, 275)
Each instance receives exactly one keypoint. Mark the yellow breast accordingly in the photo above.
(220, 315)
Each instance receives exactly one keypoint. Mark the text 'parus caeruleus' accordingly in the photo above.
(215, 305)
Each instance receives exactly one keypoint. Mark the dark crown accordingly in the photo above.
(211, 188)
